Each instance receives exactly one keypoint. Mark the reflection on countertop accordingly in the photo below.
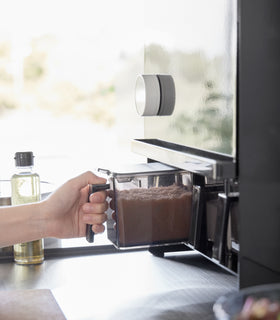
(126, 285)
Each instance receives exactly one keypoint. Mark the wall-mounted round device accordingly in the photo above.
(155, 95)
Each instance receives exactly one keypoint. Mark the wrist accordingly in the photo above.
(44, 223)
(36, 222)
(24, 223)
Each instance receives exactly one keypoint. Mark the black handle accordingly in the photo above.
(94, 188)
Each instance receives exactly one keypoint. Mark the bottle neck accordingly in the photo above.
(24, 169)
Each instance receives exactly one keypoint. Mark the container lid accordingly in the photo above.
(139, 169)
(24, 159)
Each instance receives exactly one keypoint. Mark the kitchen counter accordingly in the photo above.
(124, 286)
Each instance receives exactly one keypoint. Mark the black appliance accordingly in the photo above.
(225, 129)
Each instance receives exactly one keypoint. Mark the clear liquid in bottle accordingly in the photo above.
(26, 189)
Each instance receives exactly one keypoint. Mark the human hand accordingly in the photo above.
(67, 210)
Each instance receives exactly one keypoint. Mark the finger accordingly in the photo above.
(110, 193)
(112, 204)
(89, 207)
(98, 228)
(99, 196)
(114, 216)
(97, 218)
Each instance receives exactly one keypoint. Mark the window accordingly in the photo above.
(67, 76)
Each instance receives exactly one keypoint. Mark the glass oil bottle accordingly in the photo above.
(25, 185)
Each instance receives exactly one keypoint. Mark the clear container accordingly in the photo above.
(25, 188)
(151, 205)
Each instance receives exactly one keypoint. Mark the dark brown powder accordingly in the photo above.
(154, 215)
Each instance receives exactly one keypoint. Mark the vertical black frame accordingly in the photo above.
(259, 141)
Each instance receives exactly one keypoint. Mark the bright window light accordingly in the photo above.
(67, 75)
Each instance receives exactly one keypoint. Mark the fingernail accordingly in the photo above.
(96, 197)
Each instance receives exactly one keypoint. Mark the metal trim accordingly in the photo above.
(209, 164)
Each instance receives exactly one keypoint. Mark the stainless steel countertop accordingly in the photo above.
(124, 286)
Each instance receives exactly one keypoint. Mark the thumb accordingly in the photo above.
(86, 178)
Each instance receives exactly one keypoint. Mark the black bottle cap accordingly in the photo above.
(24, 159)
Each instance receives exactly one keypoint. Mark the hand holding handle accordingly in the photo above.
(94, 188)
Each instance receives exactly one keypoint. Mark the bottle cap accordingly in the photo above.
(24, 159)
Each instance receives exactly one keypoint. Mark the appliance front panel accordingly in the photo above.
(195, 41)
